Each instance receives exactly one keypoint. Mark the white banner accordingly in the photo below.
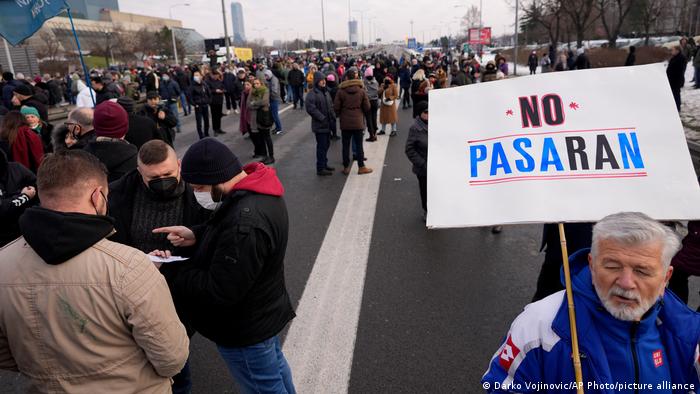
(559, 147)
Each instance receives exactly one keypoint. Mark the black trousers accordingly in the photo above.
(262, 141)
(323, 142)
(423, 186)
(283, 92)
(406, 97)
(356, 135)
(371, 117)
(217, 111)
(230, 101)
(677, 97)
(201, 115)
(298, 95)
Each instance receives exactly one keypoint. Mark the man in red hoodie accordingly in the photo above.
(232, 288)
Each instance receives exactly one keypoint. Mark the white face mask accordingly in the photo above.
(197, 79)
(204, 199)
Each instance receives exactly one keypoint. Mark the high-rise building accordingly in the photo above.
(238, 26)
(352, 30)
(90, 9)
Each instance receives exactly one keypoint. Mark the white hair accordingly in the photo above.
(19, 76)
(635, 228)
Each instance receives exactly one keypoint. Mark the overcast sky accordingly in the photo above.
(302, 18)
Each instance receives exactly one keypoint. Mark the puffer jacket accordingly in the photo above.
(82, 314)
(320, 107)
(350, 104)
(417, 147)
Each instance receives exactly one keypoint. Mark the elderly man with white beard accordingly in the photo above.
(634, 335)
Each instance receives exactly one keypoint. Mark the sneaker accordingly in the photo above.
(371, 139)
(393, 133)
(328, 168)
(324, 172)
(346, 170)
(496, 229)
(237, 111)
(219, 132)
(364, 170)
(228, 112)
(381, 133)
(295, 106)
(335, 138)
(268, 160)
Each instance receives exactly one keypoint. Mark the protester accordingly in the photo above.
(111, 125)
(170, 93)
(79, 124)
(23, 96)
(17, 193)
(582, 61)
(320, 106)
(490, 72)
(101, 316)
(215, 83)
(503, 66)
(85, 97)
(405, 85)
(184, 80)
(416, 93)
(161, 115)
(631, 56)
(241, 302)
(686, 262)
(245, 118)
(458, 77)
(351, 104)
(372, 89)
(230, 90)
(41, 128)
(545, 63)
(8, 88)
(105, 89)
(417, 152)
(273, 85)
(296, 81)
(621, 308)
(260, 116)
(199, 96)
(676, 74)
(532, 62)
(696, 66)
(141, 127)
(388, 94)
(19, 142)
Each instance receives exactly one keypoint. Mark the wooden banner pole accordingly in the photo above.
(572, 311)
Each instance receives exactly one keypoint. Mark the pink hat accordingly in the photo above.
(369, 72)
(330, 77)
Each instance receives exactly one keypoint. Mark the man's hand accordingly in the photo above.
(161, 115)
(179, 236)
(160, 253)
(30, 191)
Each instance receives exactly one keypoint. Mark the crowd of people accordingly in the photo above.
(107, 186)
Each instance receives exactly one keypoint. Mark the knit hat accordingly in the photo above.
(27, 110)
(152, 94)
(23, 89)
(369, 72)
(209, 162)
(268, 73)
(421, 107)
(110, 120)
(127, 103)
(330, 77)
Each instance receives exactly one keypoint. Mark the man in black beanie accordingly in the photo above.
(233, 284)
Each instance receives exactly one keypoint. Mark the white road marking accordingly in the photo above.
(321, 340)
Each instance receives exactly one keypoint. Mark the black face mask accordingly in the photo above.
(164, 187)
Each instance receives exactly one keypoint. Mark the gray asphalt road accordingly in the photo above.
(435, 303)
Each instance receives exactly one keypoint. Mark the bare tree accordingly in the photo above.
(581, 14)
(612, 15)
(649, 12)
(50, 46)
(548, 14)
(471, 18)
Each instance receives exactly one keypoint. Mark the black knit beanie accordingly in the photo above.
(209, 162)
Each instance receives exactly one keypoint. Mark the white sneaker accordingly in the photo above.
(228, 112)
(237, 111)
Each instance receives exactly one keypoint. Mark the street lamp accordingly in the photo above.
(172, 29)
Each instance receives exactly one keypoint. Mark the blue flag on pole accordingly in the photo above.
(20, 19)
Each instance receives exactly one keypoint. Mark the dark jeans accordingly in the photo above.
(423, 186)
(298, 95)
(230, 101)
(406, 96)
(677, 97)
(323, 142)
(263, 143)
(275, 109)
(371, 117)
(201, 114)
(283, 92)
(182, 382)
(185, 104)
(217, 111)
(356, 136)
(533, 70)
(697, 77)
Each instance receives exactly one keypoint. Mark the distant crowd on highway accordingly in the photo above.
(97, 211)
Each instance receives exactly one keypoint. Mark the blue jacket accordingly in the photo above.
(538, 345)
(405, 77)
(7, 93)
(169, 90)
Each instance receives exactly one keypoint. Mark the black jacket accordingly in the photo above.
(141, 130)
(320, 106)
(417, 147)
(676, 71)
(13, 178)
(234, 283)
(118, 156)
(121, 205)
(295, 77)
(199, 94)
(38, 104)
(214, 85)
(109, 91)
(165, 126)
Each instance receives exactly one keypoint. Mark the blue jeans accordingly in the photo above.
(173, 108)
(290, 93)
(185, 104)
(275, 109)
(259, 368)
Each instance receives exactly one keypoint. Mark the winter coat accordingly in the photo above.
(141, 130)
(537, 347)
(256, 101)
(696, 58)
(405, 77)
(532, 61)
(85, 96)
(234, 283)
(7, 92)
(631, 59)
(295, 77)
(273, 84)
(118, 156)
(183, 80)
(320, 106)
(27, 149)
(102, 310)
(244, 122)
(109, 91)
(387, 113)
(372, 88)
(199, 94)
(169, 90)
(688, 258)
(13, 178)
(350, 105)
(36, 103)
(230, 82)
(417, 147)
(489, 75)
(214, 85)
(460, 79)
(676, 71)
(582, 62)
(165, 126)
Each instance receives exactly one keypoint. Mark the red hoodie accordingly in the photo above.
(261, 179)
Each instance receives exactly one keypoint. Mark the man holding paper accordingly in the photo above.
(631, 332)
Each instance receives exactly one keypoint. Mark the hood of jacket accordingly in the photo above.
(113, 154)
(261, 179)
(59, 236)
(318, 77)
(352, 85)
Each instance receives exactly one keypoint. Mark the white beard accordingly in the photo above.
(625, 312)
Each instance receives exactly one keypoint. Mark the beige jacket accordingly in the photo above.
(101, 322)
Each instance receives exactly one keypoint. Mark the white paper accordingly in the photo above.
(467, 122)
(172, 259)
